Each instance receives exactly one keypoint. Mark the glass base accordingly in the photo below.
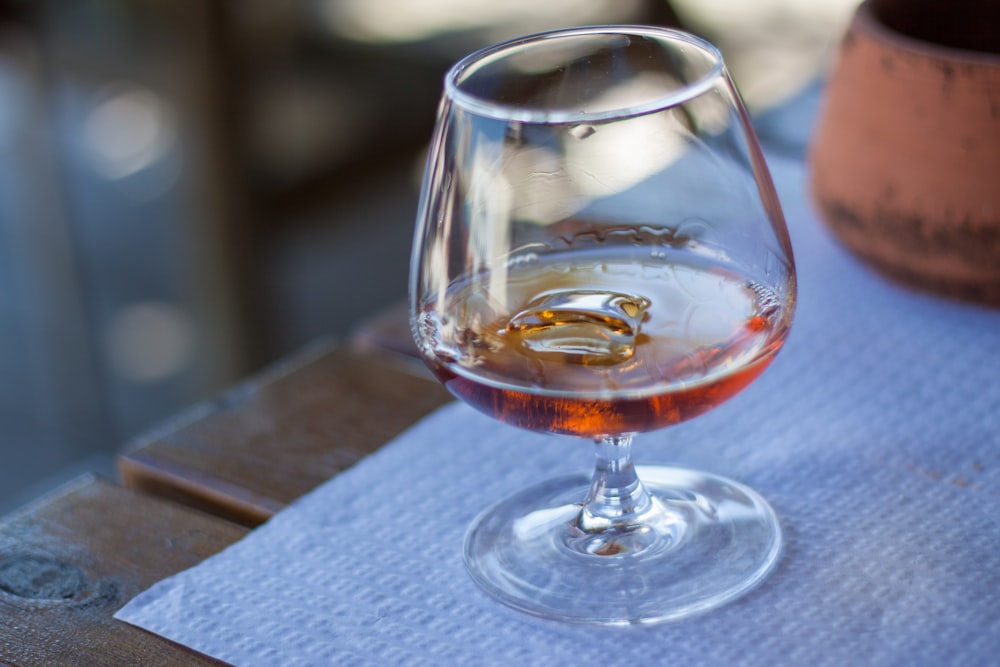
(704, 541)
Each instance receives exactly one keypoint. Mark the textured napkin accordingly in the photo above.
(875, 435)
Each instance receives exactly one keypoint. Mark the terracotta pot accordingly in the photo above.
(905, 161)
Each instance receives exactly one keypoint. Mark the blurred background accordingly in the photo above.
(190, 189)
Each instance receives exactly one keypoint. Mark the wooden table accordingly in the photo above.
(190, 488)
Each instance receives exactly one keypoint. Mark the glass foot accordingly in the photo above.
(703, 541)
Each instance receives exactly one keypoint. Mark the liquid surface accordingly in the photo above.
(602, 344)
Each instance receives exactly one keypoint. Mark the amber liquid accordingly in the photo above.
(602, 345)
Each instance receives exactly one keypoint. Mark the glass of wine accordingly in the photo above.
(600, 252)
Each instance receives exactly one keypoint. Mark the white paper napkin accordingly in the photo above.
(875, 435)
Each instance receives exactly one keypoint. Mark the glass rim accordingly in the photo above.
(499, 111)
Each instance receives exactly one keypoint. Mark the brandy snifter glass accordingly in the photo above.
(600, 252)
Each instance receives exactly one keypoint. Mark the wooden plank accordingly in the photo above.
(69, 561)
(388, 329)
(279, 434)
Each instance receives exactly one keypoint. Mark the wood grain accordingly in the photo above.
(69, 561)
(283, 432)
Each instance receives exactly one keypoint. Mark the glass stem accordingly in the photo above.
(617, 500)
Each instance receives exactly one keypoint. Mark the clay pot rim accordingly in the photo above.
(865, 19)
